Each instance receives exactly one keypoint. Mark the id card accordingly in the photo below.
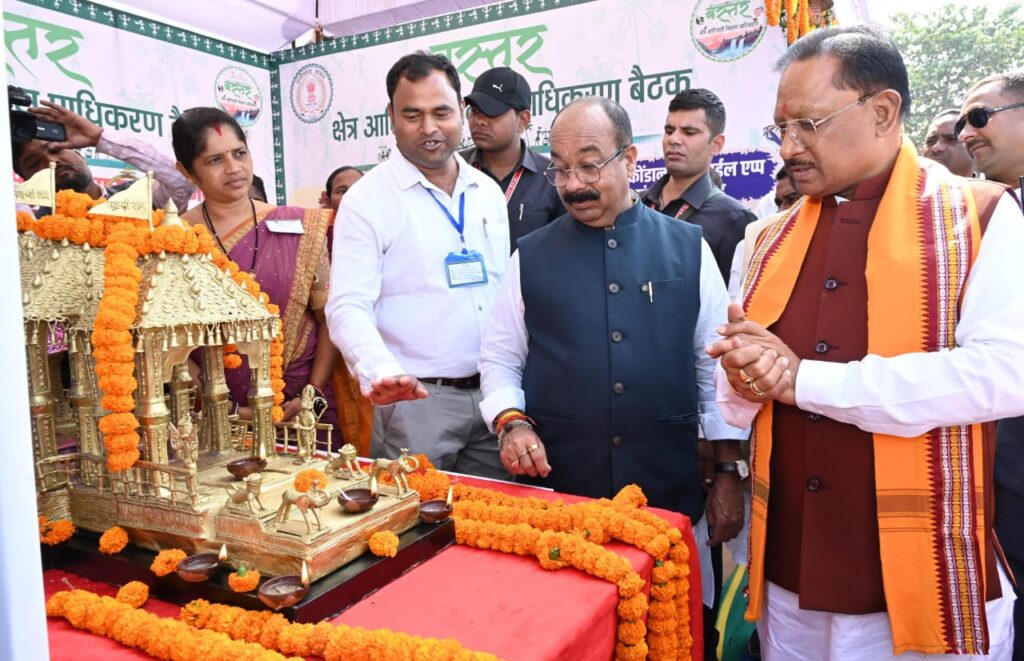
(465, 270)
(285, 226)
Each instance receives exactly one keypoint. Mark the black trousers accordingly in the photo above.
(1009, 526)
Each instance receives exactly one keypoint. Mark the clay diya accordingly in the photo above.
(285, 591)
(359, 500)
(200, 567)
(437, 510)
(246, 466)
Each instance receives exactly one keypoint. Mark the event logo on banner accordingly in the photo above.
(311, 93)
(238, 95)
(726, 30)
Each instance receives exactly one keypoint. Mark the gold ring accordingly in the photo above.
(532, 448)
(756, 389)
(746, 377)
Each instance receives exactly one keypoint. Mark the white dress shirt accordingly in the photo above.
(391, 310)
(504, 350)
(167, 181)
(907, 395)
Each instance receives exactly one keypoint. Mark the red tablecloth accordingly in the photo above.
(489, 601)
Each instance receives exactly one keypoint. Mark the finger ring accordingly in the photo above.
(754, 388)
(746, 377)
(532, 448)
(522, 455)
(515, 461)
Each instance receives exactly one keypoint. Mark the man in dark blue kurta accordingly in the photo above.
(598, 337)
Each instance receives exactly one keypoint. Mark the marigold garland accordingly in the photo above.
(160, 637)
(668, 618)
(333, 642)
(309, 478)
(133, 593)
(384, 544)
(166, 561)
(56, 532)
(231, 358)
(113, 540)
(243, 580)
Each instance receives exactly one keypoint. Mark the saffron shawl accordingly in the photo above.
(929, 489)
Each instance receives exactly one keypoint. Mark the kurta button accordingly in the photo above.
(813, 417)
(614, 288)
(617, 441)
(612, 243)
(616, 336)
(831, 284)
(618, 388)
(821, 347)
(814, 484)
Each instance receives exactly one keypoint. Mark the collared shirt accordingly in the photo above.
(534, 201)
(722, 218)
(504, 350)
(391, 310)
(910, 394)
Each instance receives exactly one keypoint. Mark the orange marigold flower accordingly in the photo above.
(309, 478)
(56, 532)
(384, 544)
(113, 540)
(631, 495)
(243, 580)
(166, 561)
(134, 593)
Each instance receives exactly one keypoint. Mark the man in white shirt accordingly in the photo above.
(996, 140)
(420, 247)
(876, 334)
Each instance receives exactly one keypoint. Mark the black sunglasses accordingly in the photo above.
(978, 117)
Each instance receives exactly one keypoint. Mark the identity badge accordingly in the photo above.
(465, 269)
(282, 226)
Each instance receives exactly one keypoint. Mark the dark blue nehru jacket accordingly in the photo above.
(610, 374)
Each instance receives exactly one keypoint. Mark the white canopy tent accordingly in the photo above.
(271, 25)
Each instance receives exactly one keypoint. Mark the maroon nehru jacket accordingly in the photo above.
(822, 539)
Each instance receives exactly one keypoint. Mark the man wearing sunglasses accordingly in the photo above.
(592, 364)
(880, 329)
(992, 127)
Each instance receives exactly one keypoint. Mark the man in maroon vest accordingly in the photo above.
(853, 555)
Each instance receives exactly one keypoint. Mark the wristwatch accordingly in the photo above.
(740, 467)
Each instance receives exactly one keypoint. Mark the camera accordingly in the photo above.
(24, 125)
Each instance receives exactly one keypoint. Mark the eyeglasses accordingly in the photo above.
(978, 117)
(588, 173)
(804, 132)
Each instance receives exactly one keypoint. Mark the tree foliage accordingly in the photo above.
(949, 48)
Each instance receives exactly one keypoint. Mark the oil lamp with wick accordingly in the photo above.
(437, 510)
(359, 500)
(200, 567)
(285, 591)
(246, 466)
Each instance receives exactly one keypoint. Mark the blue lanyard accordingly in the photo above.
(459, 225)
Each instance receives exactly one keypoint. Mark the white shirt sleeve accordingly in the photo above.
(356, 275)
(503, 349)
(735, 270)
(168, 182)
(714, 308)
(977, 381)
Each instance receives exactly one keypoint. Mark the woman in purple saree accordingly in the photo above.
(285, 248)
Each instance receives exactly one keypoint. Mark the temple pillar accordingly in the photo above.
(182, 393)
(152, 408)
(216, 402)
(84, 395)
(261, 397)
(41, 400)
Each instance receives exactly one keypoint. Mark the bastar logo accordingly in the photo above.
(63, 43)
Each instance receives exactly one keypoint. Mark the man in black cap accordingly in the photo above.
(499, 112)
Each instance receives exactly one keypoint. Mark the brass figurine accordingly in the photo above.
(398, 468)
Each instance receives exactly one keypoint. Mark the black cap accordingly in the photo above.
(499, 90)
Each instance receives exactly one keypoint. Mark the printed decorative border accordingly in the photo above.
(278, 132)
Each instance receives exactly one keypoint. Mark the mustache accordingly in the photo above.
(792, 162)
(585, 195)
